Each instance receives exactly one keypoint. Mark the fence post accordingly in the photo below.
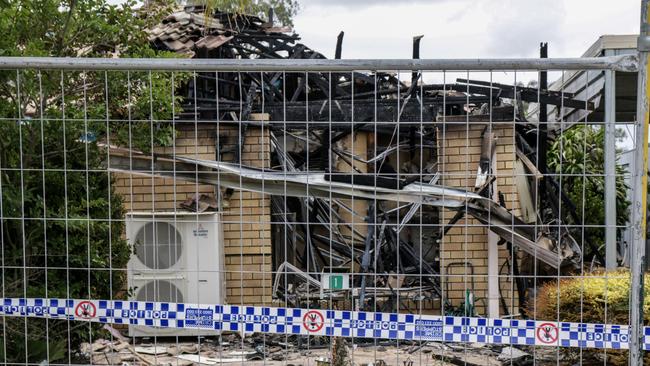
(610, 170)
(639, 205)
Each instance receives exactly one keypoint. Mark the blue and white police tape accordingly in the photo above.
(292, 321)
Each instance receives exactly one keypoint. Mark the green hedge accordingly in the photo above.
(600, 297)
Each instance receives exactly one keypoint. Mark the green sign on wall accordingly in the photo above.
(336, 282)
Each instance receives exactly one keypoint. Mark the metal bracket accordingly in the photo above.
(643, 43)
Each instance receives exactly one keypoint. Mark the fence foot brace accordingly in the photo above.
(317, 322)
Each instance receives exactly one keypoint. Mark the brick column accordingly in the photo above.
(465, 245)
(247, 231)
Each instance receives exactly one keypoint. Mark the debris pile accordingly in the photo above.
(119, 352)
(280, 350)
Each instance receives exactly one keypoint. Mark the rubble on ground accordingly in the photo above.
(271, 350)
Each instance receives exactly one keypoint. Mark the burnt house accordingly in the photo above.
(402, 185)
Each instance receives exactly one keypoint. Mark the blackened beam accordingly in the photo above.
(324, 84)
(364, 110)
(344, 249)
(553, 93)
(245, 114)
(404, 89)
(255, 43)
(295, 111)
(542, 131)
(336, 126)
(530, 95)
(337, 55)
(267, 37)
(282, 45)
(415, 75)
(431, 88)
(247, 51)
(339, 45)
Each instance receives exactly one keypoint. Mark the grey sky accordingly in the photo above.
(462, 28)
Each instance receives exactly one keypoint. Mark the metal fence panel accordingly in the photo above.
(316, 212)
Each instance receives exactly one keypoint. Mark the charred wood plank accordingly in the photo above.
(531, 95)
(339, 45)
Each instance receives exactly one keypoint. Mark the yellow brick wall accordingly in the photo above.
(246, 215)
(142, 193)
(467, 242)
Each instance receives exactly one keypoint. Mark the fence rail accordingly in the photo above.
(626, 63)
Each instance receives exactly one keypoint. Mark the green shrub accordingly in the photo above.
(600, 297)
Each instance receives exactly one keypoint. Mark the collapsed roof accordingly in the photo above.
(310, 113)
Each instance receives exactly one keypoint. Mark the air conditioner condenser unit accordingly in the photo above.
(177, 257)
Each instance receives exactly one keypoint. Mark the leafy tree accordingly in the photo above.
(579, 155)
(61, 230)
